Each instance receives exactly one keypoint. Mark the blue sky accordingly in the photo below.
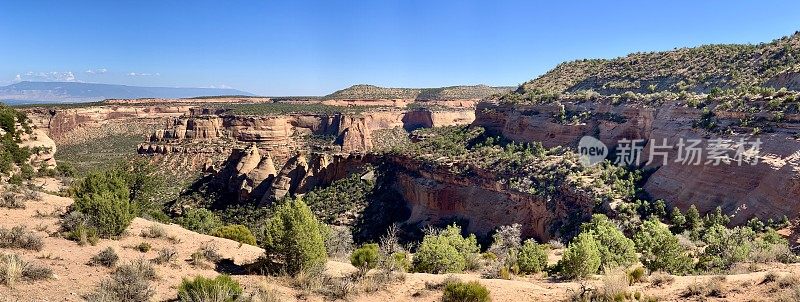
(316, 47)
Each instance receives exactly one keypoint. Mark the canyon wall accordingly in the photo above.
(263, 158)
(436, 196)
(282, 135)
(71, 125)
(433, 195)
(767, 189)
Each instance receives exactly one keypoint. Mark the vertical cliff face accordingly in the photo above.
(68, 125)
(768, 189)
(284, 134)
(435, 196)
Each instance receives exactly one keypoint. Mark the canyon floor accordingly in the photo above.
(74, 278)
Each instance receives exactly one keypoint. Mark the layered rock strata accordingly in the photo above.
(767, 187)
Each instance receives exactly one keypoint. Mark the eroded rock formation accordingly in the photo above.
(768, 189)
(250, 174)
(436, 196)
(282, 135)
(68, 126)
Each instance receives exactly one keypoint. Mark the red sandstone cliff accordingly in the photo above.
(769, 189)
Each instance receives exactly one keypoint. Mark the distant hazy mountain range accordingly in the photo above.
(362, 91)
(62, 92)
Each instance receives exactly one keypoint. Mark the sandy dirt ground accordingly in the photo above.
(74, 278)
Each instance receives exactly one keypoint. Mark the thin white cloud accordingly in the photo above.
(96, 71)
(221, 86)
(51, 76)
(143, 74)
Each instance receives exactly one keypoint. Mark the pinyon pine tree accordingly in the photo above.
(660, 249)
(615, 249)
(104, 198)
(293, 240)
(582, 258)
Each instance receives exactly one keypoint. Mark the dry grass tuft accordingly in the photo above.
(787, 281)
(154, 231)
(264, 294)
(13, 269)
(10, 269)
(615, 286)
(130, 282)
(166, 255)
(108, 258)
(715, 287)
(770, 277)
(12, 201)
(19, 237)
(659, 279)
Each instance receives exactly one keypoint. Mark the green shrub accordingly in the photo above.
(471, 291)
(144, 182)
(15, 179)
(725, 247)
(6, 162)
(582, 257)
(45, 171)
(532, 257)
(108, 258)
(26, 171)
(82, 233)
(445, 252)
(201, 289)
(199, 220)
(235, 232)
(693, 220)
(104, 199)
(677, 218)
(66, 169)
(772, 247)
(637, 275)
(717, 218)
(436, 255)
(615, 249)
(144, 247)
(366, 256)
(12, 151)
(399, 260)
(293, 239)
(660, 249)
